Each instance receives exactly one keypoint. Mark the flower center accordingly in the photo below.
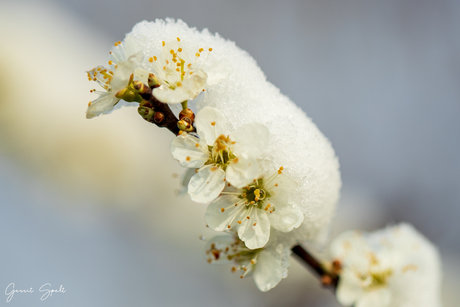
(221, 153)
(174, 64)
(255, 194)
(236, 251)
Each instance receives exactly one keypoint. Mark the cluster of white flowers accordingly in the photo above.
(395, 266)
(268, 174)
(270, 179)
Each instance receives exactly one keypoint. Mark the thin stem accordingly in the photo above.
(316, 266)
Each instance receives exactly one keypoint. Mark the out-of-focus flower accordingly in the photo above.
(251, 210)
(395, 266)
(180, 74)
(122, 66)
(218, 155)
(266, 265)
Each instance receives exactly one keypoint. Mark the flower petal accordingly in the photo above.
(217, 245)
(207, 184)
(123, 72)
(189, 89)
(285, 218)
(189, 150)
(375, 298)
(219, 220)
(210, 124)
(255, 231)
(242, 171)
(103, 104)
(250, 139)
(268, 271)
(348, 290)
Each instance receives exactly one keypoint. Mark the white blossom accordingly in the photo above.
(395, 266)
(218, 155)
(180, 73)
(266, 265)
(122, 64)
(245, 96)
(251, 210)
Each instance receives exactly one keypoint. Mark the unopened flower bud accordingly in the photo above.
(326, 280)
(185, 124)
(153, 81)
(129, 94)
(146, 113)
(140, 87)
(182, 125)
(187, 113)
(158, 117)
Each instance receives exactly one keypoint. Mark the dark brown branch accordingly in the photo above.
(168, 120)
(327, 278)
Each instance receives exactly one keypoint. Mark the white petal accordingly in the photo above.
(242, 171)
(375, 298)
(142, 75)
(268, 271)
(348, 291)
(210, 124)
(123, 72)
(220, 243)
(184, 149)
(190, 88)
(255, 236)
(286, 185)
(250, 139)
(219, 220)
(207, 184)
(285, 218)
(103, 104)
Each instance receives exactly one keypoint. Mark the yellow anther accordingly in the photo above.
(191, 73)
(119, 43)
(188, 158)
(276, 184)
(179, 84)
(178, 39)
(151, 60)
(222, 209)
(210, 49)
(179, 49)
(171, 51)
(189, 65)
(197, 54)
(254, 225)
(228, 226)
(236, 204)
(110, 62)
(197, 145)
(164, 67)
(89, 104)
(200, 50)
(177, 69)
(213, 123)
(233, 269)
(163, 43)
(239, 222)
(253, 261)
(248, 217)
(167, 62)
(178, 64)
(155, 58)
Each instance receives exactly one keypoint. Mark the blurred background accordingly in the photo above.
(93, 205)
